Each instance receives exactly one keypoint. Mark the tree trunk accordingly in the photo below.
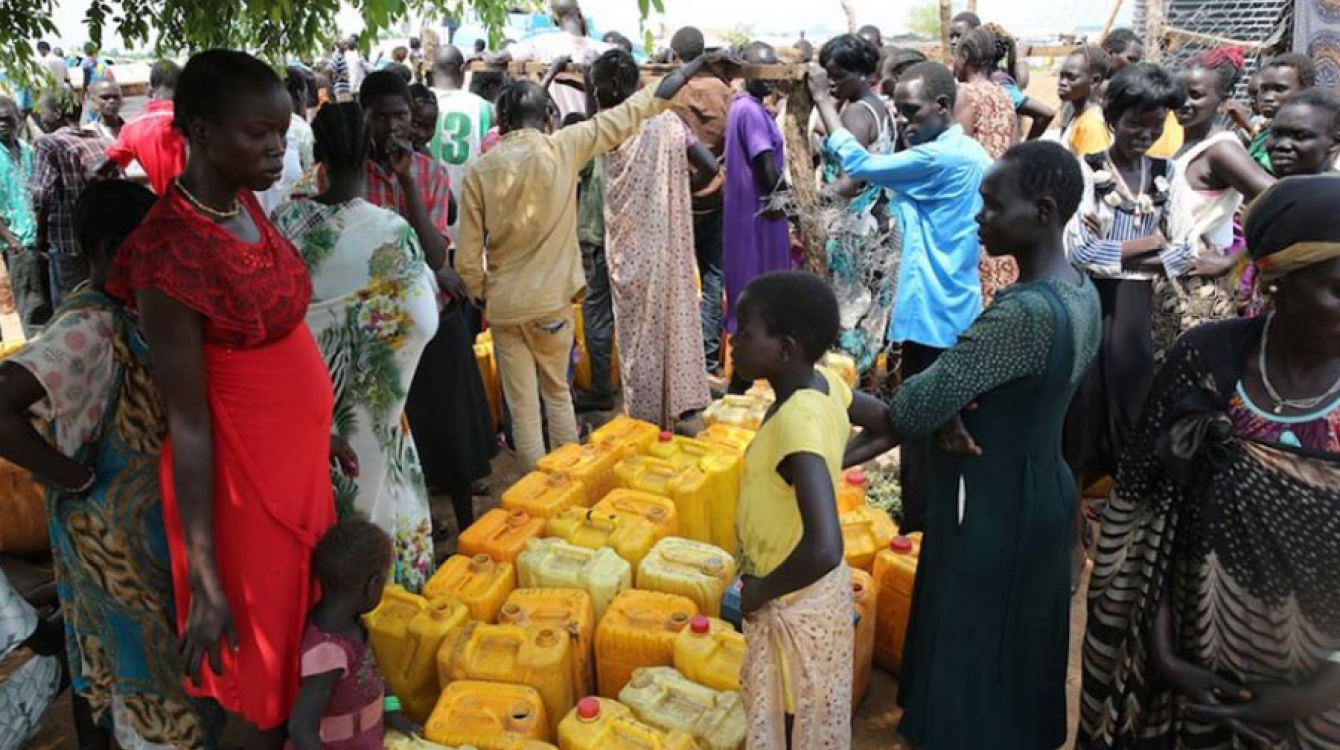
(946, 12)
(851, 15)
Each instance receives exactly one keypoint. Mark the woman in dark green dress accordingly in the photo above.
(986, 651)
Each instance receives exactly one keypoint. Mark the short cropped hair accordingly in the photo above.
(938, 80)
(212, 80)
(688, 43)
(1044, 169)
(796, 304)
(1118, 41)
(1301, 64)
(382, 83)
(349, 551)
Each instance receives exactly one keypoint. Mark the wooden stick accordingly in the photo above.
(1111, 18)
(946, 13)
(1154, 30)
(1215, 39)
(747, 72)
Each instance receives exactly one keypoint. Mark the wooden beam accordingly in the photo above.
(1154, 30)
(749, 72)
(1049, 50)
(1172, 32)
(1111, 18)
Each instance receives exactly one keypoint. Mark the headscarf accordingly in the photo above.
(1295, 224)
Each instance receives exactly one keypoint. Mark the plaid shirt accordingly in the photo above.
(64, 163)
(430, 177)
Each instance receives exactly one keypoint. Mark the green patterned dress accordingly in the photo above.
(374, 309)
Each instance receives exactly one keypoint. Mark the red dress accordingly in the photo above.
(270, 405)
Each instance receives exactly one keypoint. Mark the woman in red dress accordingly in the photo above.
(246, 485)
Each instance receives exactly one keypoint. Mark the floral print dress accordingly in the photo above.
(374, 309)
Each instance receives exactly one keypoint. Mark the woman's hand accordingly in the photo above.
(1216, 264)
(209, 627)
(954, 437)
(817, 80)
(451, 283)
(402, 157)
(751, 599)
(344, 456)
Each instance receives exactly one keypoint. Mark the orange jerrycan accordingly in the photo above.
(591, 466)
(543, 495)
(724, 469)
(603, 724)
(405, 630)
(566, 610)
(842, 366)
(710, 653)
(864, 599)
(489, 716)
(659, 511)
(665, 699)
(686, 486)
(895, 574)
(500, 534)
(851, 491)
(487, 362)
(478, 582)
(632, 436)
(555, 564)
(737, 411)
(630, 538)
(540, 658)
(733, 438)
(866, 531)
(638, 631)
(692, 569)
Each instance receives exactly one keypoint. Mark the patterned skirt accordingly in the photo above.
(1182, 304)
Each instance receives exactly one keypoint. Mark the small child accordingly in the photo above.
(797, 677)
(423, 119)
(342, 696)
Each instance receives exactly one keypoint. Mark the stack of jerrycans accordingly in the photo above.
(602, 724)
(590, 465)
(478, 582)
(406, 631)
(500, 534)
(555, 564)
(539, 658)
(665, 699)
(489, 716)
(543, 495)
(566, 610)
(658, 511)
(724, 470)
(866, 531)
(895, 574)
(638, 631)
(710, 652)
(631, 537)
(696, 570)
(686, 486)
(630, 436)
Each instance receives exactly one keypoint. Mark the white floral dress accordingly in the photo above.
(374, 309)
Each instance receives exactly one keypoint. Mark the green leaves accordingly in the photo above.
(276, 30)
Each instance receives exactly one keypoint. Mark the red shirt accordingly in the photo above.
(151, 140)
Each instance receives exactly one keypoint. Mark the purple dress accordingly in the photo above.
(353, 717)
(753, 245)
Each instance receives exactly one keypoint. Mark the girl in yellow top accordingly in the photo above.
(1079, 84)
(798, 628)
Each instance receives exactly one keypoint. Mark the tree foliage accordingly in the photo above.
(272, 29)
(923, 19)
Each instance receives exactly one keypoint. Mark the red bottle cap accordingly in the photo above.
(855, 476)
(588, 709)
(666, 436)
(901, 544)
(700, 625)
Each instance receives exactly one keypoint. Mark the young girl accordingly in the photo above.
(797, 588)
(340, 701)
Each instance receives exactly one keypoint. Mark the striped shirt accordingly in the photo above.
(1100, 255)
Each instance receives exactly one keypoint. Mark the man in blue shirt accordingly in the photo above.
(935, 182)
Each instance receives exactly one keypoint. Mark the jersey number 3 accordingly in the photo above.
(454, 138)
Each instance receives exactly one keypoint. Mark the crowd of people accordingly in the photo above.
(251, 314)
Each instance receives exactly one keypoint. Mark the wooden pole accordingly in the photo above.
(1153, 30)
(946, 12)
(1111, 19)
(972, 6)
(780, 72)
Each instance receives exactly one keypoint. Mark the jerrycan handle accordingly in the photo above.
(712, 566)
(634, 735)
(603, 521)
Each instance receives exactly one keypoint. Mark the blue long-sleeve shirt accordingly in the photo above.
(935, 199)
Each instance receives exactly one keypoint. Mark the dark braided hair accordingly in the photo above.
(212, 81)
(1047, 170)
(1007, 49)
(978, 48)
(1226, 62)
(341, 134)
(619, 67)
